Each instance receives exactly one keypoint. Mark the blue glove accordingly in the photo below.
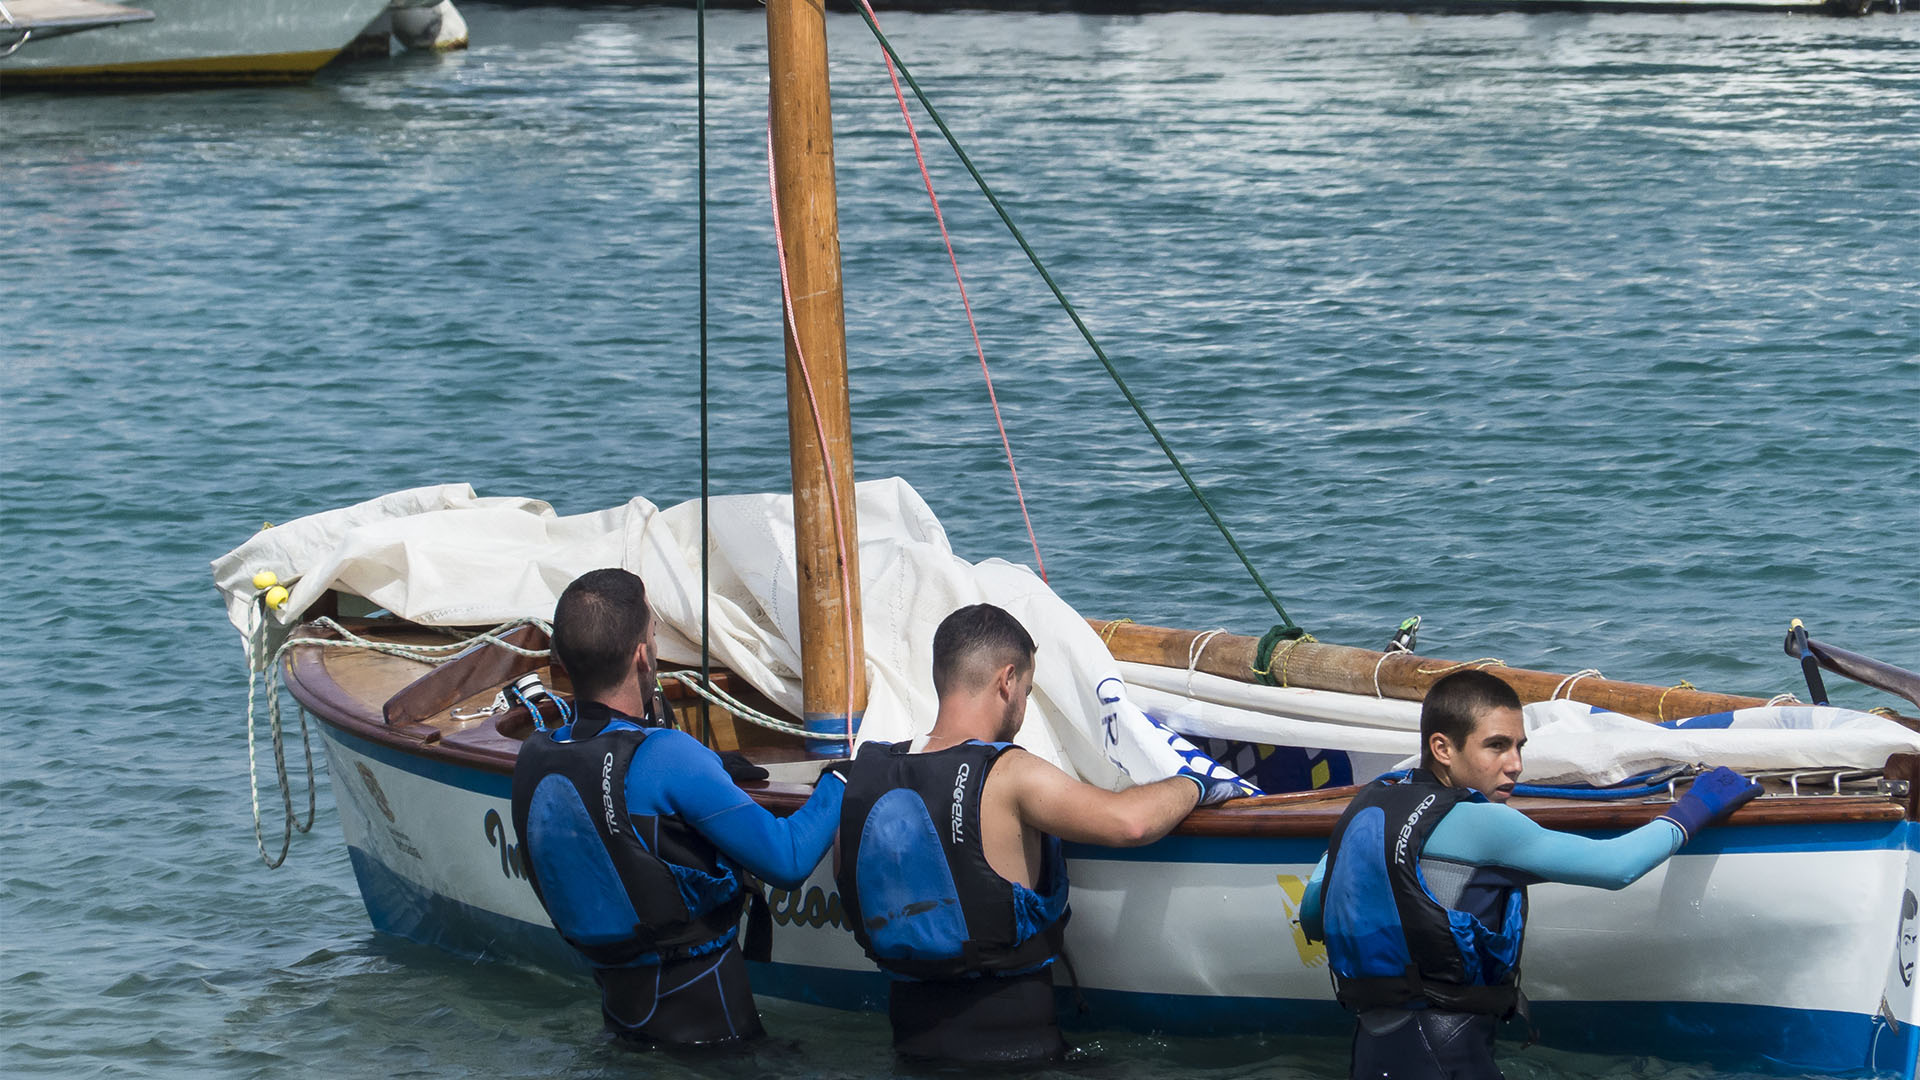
(1214, 789)
(1711, 798)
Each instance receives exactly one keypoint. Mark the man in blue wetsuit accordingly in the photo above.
(635, 838)
(949, 861)
(1422, 898)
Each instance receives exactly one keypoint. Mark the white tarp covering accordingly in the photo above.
(1568, 742)
(443, 556)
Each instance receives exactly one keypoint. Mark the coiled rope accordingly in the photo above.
(266, 674)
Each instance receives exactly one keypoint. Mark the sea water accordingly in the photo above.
(1590, 340)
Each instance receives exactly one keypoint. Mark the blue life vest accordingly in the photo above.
(1390, 941)
(622, 889)
(914, 879)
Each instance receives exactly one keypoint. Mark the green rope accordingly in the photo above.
(1263, 652)
(1139, 409)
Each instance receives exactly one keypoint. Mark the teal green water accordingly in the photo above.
(1592, 340)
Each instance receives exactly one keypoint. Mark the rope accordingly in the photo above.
(1567, 683)
(706, 533)
(267, 676)
(1106, 632)
(1660, 707)
(1378, 695)
(734, 705)
(1787, 698)
(1263, 655)
(1194, 648)
(866, 13)
(920, 158)
(819, 427)
(1489, 661)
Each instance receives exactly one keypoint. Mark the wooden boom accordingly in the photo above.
(1314, 665)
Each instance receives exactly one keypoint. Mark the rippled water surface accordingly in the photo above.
(1591, 340)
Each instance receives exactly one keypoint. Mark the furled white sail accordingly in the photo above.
(444, 556)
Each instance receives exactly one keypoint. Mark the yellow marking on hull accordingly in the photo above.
(1295, 890)
(269, 67)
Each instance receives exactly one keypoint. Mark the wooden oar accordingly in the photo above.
(1862, 669)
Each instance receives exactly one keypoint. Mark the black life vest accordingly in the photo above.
(1389, 941)
(914, 879)
(613, 882)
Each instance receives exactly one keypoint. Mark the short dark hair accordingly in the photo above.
(974, 643)
(1453, 707)
(599, 621)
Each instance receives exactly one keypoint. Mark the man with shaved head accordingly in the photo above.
(949, 857)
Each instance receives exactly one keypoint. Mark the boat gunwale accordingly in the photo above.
(1291, 814)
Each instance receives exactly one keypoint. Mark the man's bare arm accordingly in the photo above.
(1053, 802)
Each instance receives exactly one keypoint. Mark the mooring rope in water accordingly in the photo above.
(267, 674)
(993, 399)
(893, 55)
(819, 427)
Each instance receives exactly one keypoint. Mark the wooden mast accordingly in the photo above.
(802, 120)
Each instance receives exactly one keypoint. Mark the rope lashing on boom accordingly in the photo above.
(920, 159)
(893, 56)
(819, 426)
(1660, 707)
(1263, 653)
(1567, 683)
(1195, 649)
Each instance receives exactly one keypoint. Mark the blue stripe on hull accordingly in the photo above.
(400, 907)
(1728, 1036)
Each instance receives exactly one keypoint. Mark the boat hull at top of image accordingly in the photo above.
(195, 42)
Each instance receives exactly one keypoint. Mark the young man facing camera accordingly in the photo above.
(1422, 895)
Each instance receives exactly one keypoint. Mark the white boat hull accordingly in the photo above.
(200, 41)
(1772, 947)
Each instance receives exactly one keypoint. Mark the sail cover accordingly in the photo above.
(445, 556)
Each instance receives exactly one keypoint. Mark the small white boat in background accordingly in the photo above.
(191, 42)
(23, 21)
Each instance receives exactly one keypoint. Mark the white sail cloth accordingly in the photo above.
(1568, 742)
(443, 556)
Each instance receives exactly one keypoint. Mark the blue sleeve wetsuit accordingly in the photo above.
(1492, 834)
(672, 773)
(707, 998)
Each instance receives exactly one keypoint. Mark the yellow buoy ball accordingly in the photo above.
(276, 596)
(265, 579)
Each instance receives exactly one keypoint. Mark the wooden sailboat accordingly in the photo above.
(1783, 940)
